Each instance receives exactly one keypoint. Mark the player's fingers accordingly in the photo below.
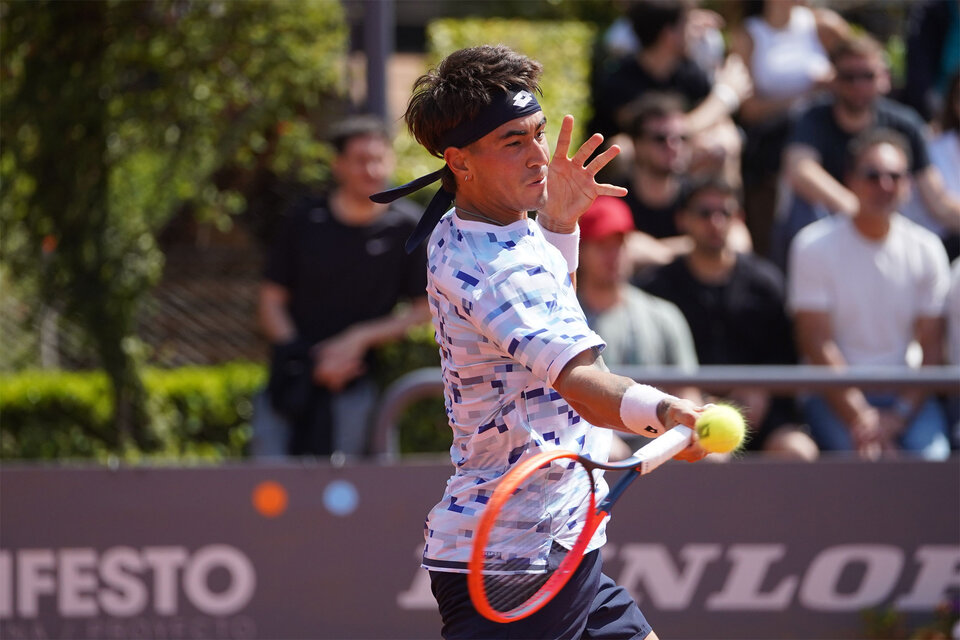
(563, 139)
(586, 150)
(603, 159)
(611, 190)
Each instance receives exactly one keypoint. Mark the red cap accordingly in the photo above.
(606, 216)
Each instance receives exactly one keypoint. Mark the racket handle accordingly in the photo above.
(663, 448)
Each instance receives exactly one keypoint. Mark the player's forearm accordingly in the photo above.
(593, 393)
(609, 400)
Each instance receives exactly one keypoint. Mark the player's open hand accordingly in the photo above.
(571, 182)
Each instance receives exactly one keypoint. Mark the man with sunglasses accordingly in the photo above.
(662, 157)
(862, 288)
(734, 304)
(816, 152)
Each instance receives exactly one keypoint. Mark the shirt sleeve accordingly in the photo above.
(809, 273)
(533, 318)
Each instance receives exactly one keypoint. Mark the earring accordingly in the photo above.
(466, 178)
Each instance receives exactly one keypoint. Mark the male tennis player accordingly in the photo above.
(521, 368)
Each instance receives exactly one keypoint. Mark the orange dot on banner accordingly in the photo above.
(270, 499)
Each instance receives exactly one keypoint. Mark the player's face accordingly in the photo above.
(707, 219)
(364, 166)
(881, 180)
(507, 168)
(859, 81)
(663, 146)
(603, 260)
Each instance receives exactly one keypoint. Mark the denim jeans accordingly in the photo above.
(926, 435)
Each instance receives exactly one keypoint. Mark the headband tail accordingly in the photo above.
(390, 195)
(438, 206)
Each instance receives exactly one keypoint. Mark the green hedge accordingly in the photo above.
(198, 413)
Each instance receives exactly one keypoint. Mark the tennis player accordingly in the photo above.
(522, 370)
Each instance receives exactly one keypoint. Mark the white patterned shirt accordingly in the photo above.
(507, 321)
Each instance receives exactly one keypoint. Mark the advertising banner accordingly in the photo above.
(743, 550)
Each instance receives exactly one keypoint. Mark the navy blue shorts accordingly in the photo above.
(591, 605)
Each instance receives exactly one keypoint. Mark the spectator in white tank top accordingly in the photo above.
(784, 44)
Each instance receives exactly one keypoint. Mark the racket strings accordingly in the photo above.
(523, 552)
(507, 591)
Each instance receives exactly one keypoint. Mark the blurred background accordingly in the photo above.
(149, 150)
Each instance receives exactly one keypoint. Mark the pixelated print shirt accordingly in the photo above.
(507, 320)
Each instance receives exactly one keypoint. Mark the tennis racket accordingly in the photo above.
(543, 553)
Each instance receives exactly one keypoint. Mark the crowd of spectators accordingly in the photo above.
(820, 230)
(786, 205)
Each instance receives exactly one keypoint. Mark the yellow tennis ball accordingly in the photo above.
(721, 429)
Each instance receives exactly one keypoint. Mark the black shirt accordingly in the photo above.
(817, 128)
(740, 322)
(338, 274)
(629, 81)
(659, 222)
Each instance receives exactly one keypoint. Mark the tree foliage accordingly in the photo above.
(118, 115)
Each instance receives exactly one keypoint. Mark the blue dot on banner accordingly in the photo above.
(340, 498)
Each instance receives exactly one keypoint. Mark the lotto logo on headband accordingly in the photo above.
(522, 99)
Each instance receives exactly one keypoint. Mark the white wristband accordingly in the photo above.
(638, 410)
(568, 244)
(727, 96)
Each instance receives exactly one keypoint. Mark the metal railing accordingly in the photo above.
(788, 379)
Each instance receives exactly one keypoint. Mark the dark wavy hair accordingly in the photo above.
(872, 138)
(652, 105)
(650, 17)
(457, 89)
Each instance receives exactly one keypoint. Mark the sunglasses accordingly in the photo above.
(875, 176)
(850, 77)
(663, 138)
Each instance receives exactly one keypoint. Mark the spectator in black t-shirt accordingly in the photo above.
(662, 65)
(661, 161)
(816, 154)
(332, 286)
(734, 304)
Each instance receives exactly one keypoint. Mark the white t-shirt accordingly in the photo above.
(786, 62)
(507, 320)
(873, 290)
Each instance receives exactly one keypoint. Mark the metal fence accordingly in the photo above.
(786, 380)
